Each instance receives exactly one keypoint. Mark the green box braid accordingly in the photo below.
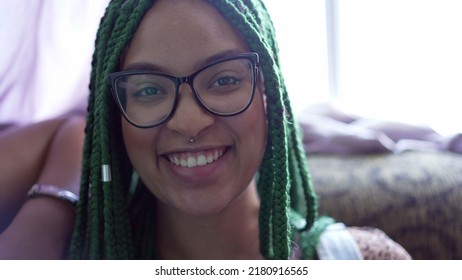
(115, 221)
(102, 214)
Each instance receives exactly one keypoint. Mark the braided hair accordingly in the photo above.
(115, 215)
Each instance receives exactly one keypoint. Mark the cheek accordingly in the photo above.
(130, 136)
(254, 125)
(138, 142)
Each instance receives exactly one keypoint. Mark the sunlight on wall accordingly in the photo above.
(301, 31)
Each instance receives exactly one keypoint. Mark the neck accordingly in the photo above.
(230, 234)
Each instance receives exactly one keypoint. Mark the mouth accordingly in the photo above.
(196, 159)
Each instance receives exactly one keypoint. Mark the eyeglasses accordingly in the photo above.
(225, 87)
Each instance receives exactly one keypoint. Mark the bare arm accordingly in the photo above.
(23, 153)
(42, 227)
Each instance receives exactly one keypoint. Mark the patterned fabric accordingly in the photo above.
(374, 244)
(414, 197)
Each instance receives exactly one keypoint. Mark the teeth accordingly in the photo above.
(210, 158)
(195, 159)
(201, 160)
(191, 162)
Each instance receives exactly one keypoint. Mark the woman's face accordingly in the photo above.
(178, 38)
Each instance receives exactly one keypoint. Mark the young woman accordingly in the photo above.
(201, 127)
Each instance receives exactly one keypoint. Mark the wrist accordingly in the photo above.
(60, 194)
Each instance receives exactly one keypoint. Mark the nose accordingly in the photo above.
(189, 118)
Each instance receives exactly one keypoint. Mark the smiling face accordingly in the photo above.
(205, 176)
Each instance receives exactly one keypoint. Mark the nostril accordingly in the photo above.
(189, 117)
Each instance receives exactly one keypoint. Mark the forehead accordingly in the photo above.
(182, 33)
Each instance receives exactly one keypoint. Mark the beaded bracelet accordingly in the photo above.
(54, 192)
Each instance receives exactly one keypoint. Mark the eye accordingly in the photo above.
(226, 81)
(147, 91)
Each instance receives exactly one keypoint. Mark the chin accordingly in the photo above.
(205, 210)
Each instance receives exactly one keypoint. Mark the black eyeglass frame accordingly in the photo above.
(113, 78)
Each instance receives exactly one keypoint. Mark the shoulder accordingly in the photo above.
(374, 244)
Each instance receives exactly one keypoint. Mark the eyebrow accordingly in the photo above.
(157, 68)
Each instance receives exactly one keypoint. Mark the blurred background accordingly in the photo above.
(398, 60)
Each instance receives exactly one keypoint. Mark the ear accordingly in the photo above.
(261, 87)
(261, 82)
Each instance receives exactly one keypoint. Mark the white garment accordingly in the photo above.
(45, 58)
(337, 243)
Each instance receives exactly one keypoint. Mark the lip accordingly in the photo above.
(196, 171)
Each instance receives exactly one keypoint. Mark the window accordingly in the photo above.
(398, 60)
(301, 31)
